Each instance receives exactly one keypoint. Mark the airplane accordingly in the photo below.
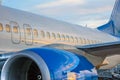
(34, 47)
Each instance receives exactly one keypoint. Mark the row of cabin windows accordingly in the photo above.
(49, 35)
(8, 29)
(67, 38)
(57, 36)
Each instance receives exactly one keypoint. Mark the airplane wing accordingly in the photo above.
(101, 50)
(107, 54)
(104, 49)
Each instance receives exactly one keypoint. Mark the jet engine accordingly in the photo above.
(47, 64)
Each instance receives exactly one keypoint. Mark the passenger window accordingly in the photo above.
(76, 39)
(35, 32)
(89, 42)
(85, 41)
(96, 41)
(15, 29)
(63, 37)
(93, 42)
(28, 31)
(8, 29)
(82, 40)
(99, 41)
(42, 34)
(67, 38)
(1, 27)
(58, 37)
(72, 39)
(53, 36)
(48, 35)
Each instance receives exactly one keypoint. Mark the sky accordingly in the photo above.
(88, 13)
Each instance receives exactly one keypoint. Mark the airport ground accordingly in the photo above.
(111, 74)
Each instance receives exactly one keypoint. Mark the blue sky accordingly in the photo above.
(83, 12)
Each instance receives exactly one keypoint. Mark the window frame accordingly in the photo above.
(15, 29)
(8, 28)
(35, 33)
(58, 36)
(48, 36)
(1, 27)
(42, 34)
(67, 38)
(63, 37)
(72, 39)
(53, 36)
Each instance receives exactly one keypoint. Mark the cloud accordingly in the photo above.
(91, 12)
(58, 3)
(74, 11)
(92, 23)
(70, 7)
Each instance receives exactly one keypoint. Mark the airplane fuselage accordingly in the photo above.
(20, 30)
(50, 49)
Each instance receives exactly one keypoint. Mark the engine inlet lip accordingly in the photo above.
(31, 55)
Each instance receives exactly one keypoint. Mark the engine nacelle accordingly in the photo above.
(47, 64)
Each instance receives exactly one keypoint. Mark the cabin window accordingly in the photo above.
(15, 29)
(88, 41)
(99, 41)
(48, 35)
(63, 37)
(58, 36)
(80, 40)
(72, 39)
(93, 41)
(28, 31)
(76, 39)
(42, 34)
(67, 38)
(53, 36)
(85, 41)
(1, 27)
(8, 29)
(35, 32)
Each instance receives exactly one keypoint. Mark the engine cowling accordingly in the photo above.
(47, 64)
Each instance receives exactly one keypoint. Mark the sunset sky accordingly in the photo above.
(92, 13)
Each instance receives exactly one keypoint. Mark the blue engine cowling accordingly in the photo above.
(47, 64)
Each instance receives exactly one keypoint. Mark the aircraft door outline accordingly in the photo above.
(28, 34)
(15, 32)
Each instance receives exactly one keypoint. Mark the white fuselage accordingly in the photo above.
(20, 30)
